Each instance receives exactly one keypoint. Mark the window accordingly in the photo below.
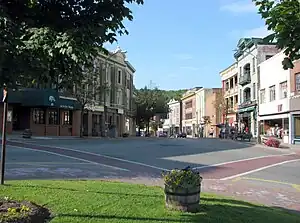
(241, 96)
(254, 91)
(297, 126)
(240, 71)
(119, 77)
(38, 116)
(263, 96)
(253, 65)
(67, 118)
(272, 93)
(188, 104)
(283, 90)
(188, 116)
(119, 97)
(53, 118)
(297, 82)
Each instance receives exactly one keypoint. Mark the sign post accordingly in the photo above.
(3, 151)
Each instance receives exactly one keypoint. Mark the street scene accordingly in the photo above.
(252, 172)
(128, 111)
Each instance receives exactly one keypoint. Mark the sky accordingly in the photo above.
(176, 44)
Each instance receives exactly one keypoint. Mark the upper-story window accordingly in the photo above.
(119, 76)
(283, 89)
(272, 93)
(254, 91)
(188, 104)
(262, 97)
(246, 70)
(297, 82)
(253, 65)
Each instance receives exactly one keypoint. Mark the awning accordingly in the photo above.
(248, 109)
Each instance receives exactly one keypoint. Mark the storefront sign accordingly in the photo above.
(52, 100)
(248, 109)
(247, 104)
(120, 111)
(69, 107)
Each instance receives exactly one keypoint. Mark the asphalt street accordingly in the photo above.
(255, 173)
(148, 157)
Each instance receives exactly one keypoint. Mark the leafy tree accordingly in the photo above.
(283, 18)
(63, 32)
(149, 103)
(221, 105)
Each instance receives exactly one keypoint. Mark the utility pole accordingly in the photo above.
(3, 151)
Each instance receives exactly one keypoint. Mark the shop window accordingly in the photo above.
(53, 118)
(297, 126)
(67, 118)
(38, 116)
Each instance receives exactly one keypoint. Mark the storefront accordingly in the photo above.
(247, 117)
(276, 125)
(44, 111)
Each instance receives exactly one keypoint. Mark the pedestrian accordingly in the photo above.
(211, 132)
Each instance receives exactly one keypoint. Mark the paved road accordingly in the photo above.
(215, 159)
(255, 173)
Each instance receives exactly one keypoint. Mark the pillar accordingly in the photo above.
(90, 123)
(291, 129)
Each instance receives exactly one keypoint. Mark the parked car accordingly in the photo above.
(182, 135)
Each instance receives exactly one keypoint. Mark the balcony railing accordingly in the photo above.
(245, 78)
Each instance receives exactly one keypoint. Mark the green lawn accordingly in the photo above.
(98, 201)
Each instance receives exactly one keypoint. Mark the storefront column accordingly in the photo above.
(291, 128)
(90, 123)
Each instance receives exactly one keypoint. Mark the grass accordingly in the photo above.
(99, 201)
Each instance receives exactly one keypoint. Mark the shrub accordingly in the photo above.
(182, 179)
(272, 142)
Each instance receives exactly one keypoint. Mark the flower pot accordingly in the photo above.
(182, 199)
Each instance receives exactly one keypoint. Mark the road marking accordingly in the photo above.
(259, 169)
(100, 155)
(70, 157)
(295, 186)
(241, 160)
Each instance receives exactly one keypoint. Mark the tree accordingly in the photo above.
(62, 32)
(90, 91)
(221, 106)
(283, 18)
(149, 103)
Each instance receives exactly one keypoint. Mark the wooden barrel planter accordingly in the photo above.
(181, 199)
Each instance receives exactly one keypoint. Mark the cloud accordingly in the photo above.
(189, 68)
(259, 32)
(183, 56)
(237, 7)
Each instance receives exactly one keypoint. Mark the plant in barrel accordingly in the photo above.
(182, 189)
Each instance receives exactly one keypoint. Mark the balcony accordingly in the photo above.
(245, 78)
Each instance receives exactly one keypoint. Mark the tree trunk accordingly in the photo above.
(81, 121)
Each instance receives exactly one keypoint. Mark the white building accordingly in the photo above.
(274, 96)
(251, 52)
(174, 117)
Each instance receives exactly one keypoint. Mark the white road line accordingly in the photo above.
(105, 156)
(70, 157)
(241, 160)
(259, 169)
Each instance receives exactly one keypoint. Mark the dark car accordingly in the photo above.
(182, 135)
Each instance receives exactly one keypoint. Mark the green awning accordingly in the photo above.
(68, 103)
(248, 109)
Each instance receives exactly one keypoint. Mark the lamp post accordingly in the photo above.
(4, 122)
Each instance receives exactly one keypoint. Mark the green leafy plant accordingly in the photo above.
(182, 179)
